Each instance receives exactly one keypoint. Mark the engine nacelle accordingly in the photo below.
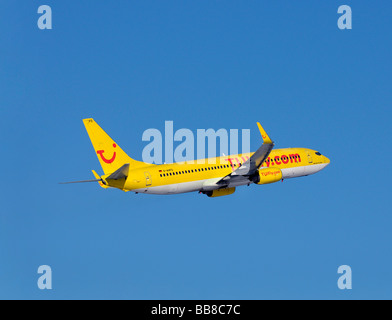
(220, 192)
(267, 176)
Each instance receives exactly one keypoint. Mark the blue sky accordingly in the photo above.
(202, 64)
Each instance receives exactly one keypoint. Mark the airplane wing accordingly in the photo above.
(249, 169)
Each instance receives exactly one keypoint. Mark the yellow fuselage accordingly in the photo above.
(192, 176)
(214, 177)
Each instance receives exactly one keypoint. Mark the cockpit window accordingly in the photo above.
(318, 153)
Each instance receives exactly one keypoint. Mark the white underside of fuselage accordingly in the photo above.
(196, 186)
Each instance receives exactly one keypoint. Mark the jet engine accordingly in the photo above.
(220, 192)
(269, 175)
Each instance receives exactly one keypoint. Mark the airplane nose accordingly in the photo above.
(326, 160)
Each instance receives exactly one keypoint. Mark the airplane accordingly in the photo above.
(214, 177)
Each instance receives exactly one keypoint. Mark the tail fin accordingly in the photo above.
(110, 155)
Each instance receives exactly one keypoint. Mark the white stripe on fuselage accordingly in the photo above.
(302, 171)
(183, 187)
(195, 186)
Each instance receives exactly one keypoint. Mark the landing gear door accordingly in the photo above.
(148, 179)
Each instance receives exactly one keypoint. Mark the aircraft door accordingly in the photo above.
(310, 158)
(148, 179)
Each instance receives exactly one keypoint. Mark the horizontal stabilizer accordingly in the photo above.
(83, 181)
(98, 179)
(102, 183)
(120, 174)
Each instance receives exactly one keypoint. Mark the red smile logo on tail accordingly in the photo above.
(101, 152)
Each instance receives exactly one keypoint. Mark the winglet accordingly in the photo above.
(264, 134)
